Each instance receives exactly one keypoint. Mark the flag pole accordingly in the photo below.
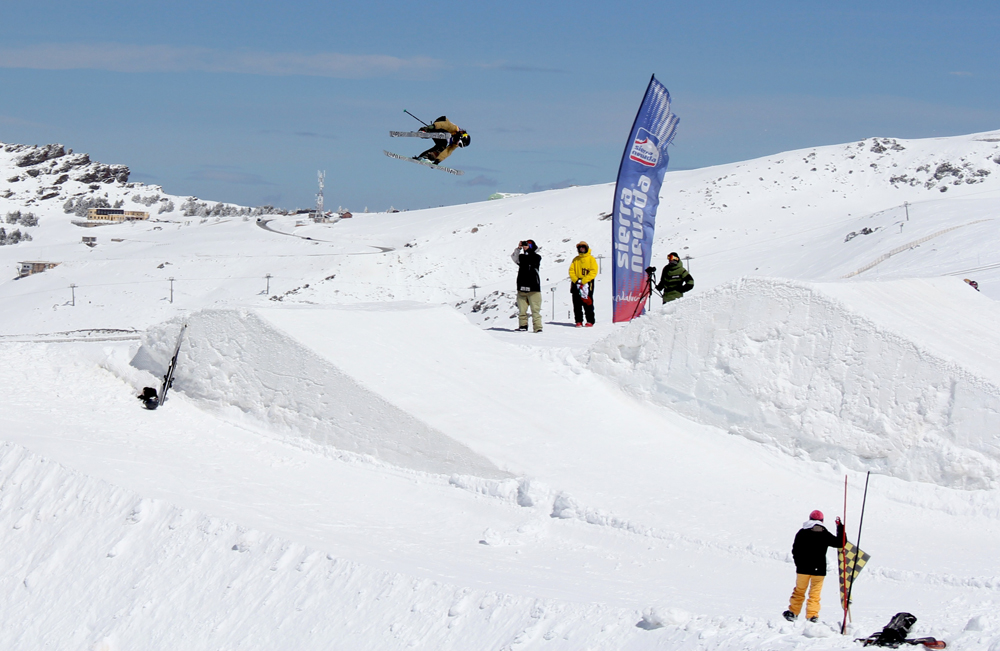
(843, 564)
(854, 568)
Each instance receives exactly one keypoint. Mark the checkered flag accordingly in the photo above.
(851, 561)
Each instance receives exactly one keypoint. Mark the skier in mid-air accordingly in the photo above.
(452, 137)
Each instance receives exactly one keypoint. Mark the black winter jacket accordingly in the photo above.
(528, 274)
(675, 281)
(809, 548)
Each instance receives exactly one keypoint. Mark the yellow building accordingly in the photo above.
(115, 215)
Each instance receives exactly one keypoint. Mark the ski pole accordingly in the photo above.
(416, 118)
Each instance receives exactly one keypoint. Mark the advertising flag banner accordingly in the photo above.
(637, 196)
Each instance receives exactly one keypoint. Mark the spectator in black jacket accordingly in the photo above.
(809, 553)
(675, 280)
(529, 284)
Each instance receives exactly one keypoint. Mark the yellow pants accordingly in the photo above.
(802, 582)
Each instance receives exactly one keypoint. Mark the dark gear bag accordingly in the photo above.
(894, 633)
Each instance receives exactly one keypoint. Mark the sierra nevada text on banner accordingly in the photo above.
(637, 196)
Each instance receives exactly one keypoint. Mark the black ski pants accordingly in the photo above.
(580, 308)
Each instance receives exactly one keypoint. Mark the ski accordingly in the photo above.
(168, 379)
(152, 400)
(439, 135)
(425, 164)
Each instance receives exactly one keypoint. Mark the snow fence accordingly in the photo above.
(235, 358)
(785, 363)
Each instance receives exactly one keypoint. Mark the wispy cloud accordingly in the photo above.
(271, 199)
(558, 185)
(521, 67)
(508, 130)
(311, 134)
(222, 174)
(480, 180)
(7, 119)
(556, 161)
(121, 57)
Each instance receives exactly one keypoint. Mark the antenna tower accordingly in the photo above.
(321, 175)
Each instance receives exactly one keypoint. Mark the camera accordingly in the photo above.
(651, 270)
(522, 243)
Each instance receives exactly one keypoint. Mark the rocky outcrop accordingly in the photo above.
(65, 165)
(101, 173)
(36, 155)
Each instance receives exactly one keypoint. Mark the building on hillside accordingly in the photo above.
(34, 267)
(115, 215)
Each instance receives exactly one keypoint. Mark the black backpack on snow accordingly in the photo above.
(894, 633)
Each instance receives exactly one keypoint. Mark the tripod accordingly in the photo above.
(647, 290)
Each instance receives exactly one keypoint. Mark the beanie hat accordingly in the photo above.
(816, 515)
(583, 244)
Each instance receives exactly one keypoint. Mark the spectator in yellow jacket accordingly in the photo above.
(582, 272)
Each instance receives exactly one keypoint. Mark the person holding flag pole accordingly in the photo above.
(809, 553)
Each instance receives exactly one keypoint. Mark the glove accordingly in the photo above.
(839, 522)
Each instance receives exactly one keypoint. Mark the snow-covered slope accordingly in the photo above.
(360, 452)
(787, 363)
(235, 359)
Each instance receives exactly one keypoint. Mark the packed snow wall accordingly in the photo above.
(235, 358)
(788, 364)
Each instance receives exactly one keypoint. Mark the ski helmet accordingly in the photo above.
(816, 515)
(464, 139)
(582, 245)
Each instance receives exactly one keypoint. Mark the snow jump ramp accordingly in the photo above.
(898, 376)
(236, 358)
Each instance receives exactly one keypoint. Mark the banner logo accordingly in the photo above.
(645, 149)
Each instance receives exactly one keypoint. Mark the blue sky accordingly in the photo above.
(244, 101)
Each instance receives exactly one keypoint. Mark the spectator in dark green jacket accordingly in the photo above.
(675, 280)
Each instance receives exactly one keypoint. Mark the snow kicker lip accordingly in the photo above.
(236, 358)
(788, 364)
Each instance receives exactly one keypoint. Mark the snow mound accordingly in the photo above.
(235, 358)
(80, 549)
(793, 365)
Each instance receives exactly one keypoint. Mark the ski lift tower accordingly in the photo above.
(319, 216)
